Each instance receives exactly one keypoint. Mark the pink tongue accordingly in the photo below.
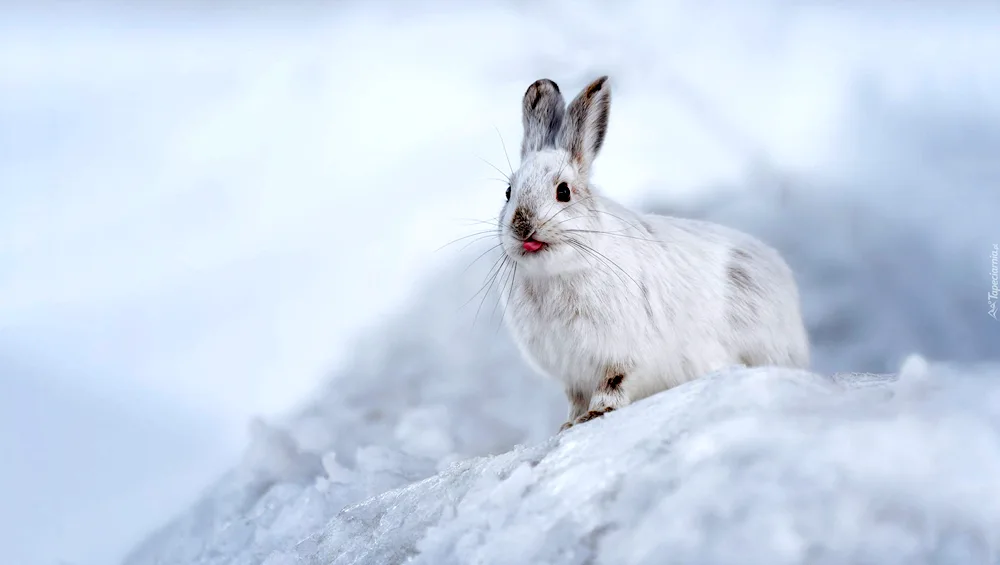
(531, 245)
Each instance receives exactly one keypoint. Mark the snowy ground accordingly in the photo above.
(203, 209)
(757, 466)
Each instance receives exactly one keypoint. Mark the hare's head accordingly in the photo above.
(550, 206)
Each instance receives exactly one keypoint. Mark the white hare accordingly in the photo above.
(619, 305)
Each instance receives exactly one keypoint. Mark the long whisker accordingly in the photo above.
(503, 267)
(563, 166)
(483, 254)
(496, 168)
(570, 207)
(559, 174)
(619, 267)
(613, 234)
(492, 273)
(491, 221)
(488, 287)
(504, 145)
(582, 254)
(588, 253)
(582, 201)
(609, 214)
(627, 222)
(503, 287)
(477, 240)
(567, 208)
(483, 233)
(606, 258)
(510, 294)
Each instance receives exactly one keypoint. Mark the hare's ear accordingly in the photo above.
(587, 123)
(543, 114)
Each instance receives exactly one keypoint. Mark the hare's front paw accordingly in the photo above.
(585, 417)
(591, 414)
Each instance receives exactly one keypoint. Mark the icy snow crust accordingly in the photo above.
(746, 466)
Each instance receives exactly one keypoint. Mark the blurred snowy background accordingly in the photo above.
(207, 207)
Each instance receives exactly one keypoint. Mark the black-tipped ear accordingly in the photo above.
(587, 123)
(543, 115)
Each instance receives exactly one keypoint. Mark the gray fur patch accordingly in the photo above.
(747, 293)
(543, 110)
(741, 256)
(647, 304)
(740, 278)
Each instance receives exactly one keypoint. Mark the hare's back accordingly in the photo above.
(719, 244)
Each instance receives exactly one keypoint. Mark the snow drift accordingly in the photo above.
(757, 466)
(748, 466)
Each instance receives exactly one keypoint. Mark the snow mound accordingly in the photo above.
(750, 466)
(744, 466)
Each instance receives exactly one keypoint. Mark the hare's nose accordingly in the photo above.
(520, 224)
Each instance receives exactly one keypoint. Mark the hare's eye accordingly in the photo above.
(508, 193)
(562, 192)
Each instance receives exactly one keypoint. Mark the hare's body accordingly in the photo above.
(618, 305)
(694, 297)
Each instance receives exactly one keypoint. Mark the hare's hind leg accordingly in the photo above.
(611, 394)
(578, 403)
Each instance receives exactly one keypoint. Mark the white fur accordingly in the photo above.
(658, 300)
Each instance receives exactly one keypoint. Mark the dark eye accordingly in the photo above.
(562, 192)
(508, 193)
